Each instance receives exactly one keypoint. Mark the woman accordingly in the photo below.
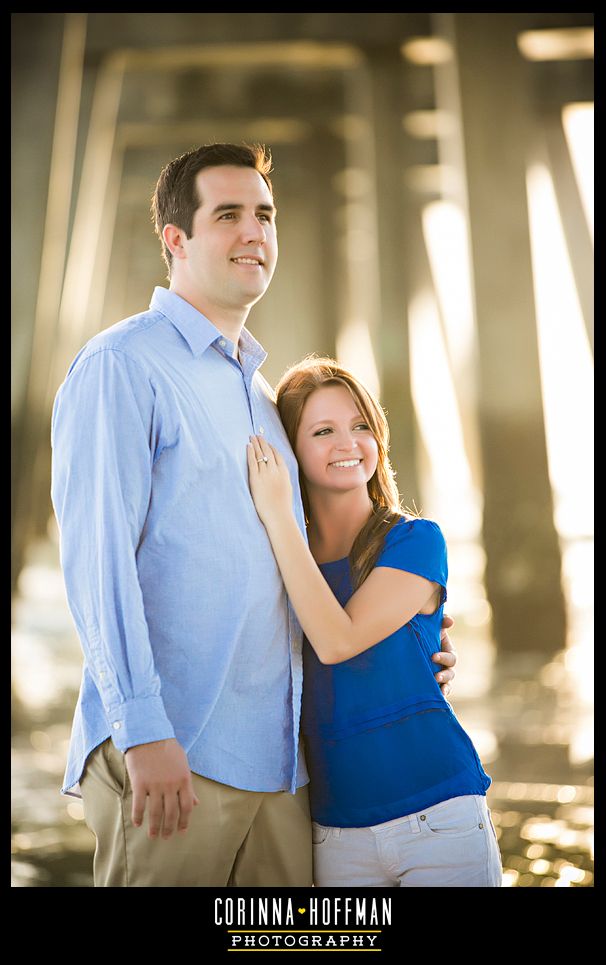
(398, 793)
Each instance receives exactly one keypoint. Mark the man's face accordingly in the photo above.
(232, 254)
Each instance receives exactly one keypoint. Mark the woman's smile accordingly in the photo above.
(346, 464)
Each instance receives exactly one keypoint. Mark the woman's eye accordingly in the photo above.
(321, 432)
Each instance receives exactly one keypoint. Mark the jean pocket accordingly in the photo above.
(493, 829)
(319, 833)
(457, 817)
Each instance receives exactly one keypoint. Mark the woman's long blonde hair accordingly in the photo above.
(292, 392)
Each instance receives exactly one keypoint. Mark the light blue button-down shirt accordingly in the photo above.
(184, 621)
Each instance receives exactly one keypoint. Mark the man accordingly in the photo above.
(190, 698)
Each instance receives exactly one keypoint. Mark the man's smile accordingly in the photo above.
(249, 260)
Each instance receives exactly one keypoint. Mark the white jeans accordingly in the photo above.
(450, 845)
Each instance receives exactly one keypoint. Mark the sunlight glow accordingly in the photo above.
(567, 384)
(428, 125)
(450, 493)
(579, 130)
(355, 352)
(563, 43)
(427, 51)
(565, 362)
(447, 243)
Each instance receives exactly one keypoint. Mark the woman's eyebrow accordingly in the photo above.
(329, 422)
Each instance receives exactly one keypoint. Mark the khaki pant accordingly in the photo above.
(235, 838)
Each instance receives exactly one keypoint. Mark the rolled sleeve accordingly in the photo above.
(139, 721)
(103, 440)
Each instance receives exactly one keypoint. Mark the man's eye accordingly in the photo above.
(228, 214)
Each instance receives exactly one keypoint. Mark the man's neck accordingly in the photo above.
(229, 322)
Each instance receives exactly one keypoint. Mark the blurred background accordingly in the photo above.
(434, 180)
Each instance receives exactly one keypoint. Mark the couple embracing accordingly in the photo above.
(266, 662)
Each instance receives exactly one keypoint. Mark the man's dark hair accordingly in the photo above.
(176, 200)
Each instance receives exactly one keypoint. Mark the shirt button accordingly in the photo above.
(480, 826)
(261, 430)
(222, 342)
(422, 817)
(117, 725)
(102, 675)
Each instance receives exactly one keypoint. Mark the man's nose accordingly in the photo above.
(253, 231)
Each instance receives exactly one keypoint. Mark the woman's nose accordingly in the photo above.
(346, 441)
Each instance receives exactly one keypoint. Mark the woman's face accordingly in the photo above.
(335, 447)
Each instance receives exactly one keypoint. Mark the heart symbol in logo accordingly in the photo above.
(301, 910)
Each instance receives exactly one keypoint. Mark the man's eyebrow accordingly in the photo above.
(238, 207)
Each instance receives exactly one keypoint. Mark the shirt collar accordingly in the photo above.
(198, 331)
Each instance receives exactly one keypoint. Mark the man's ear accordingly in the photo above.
(173, 239)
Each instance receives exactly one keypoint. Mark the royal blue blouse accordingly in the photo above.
(381, 740)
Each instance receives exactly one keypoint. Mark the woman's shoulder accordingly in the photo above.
(409, 531)
(416, 543)
(407, 522)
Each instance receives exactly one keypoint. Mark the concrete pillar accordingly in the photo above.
(299, 313)
(555, 152)
(37, 41)
(380, 99)
(523, 572)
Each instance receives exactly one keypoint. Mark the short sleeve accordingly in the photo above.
(417, 546)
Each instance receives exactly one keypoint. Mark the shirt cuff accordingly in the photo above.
(139, 721)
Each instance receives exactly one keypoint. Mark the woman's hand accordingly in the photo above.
(269, 481)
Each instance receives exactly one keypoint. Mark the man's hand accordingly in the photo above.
(446, 657)
(160, 771)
